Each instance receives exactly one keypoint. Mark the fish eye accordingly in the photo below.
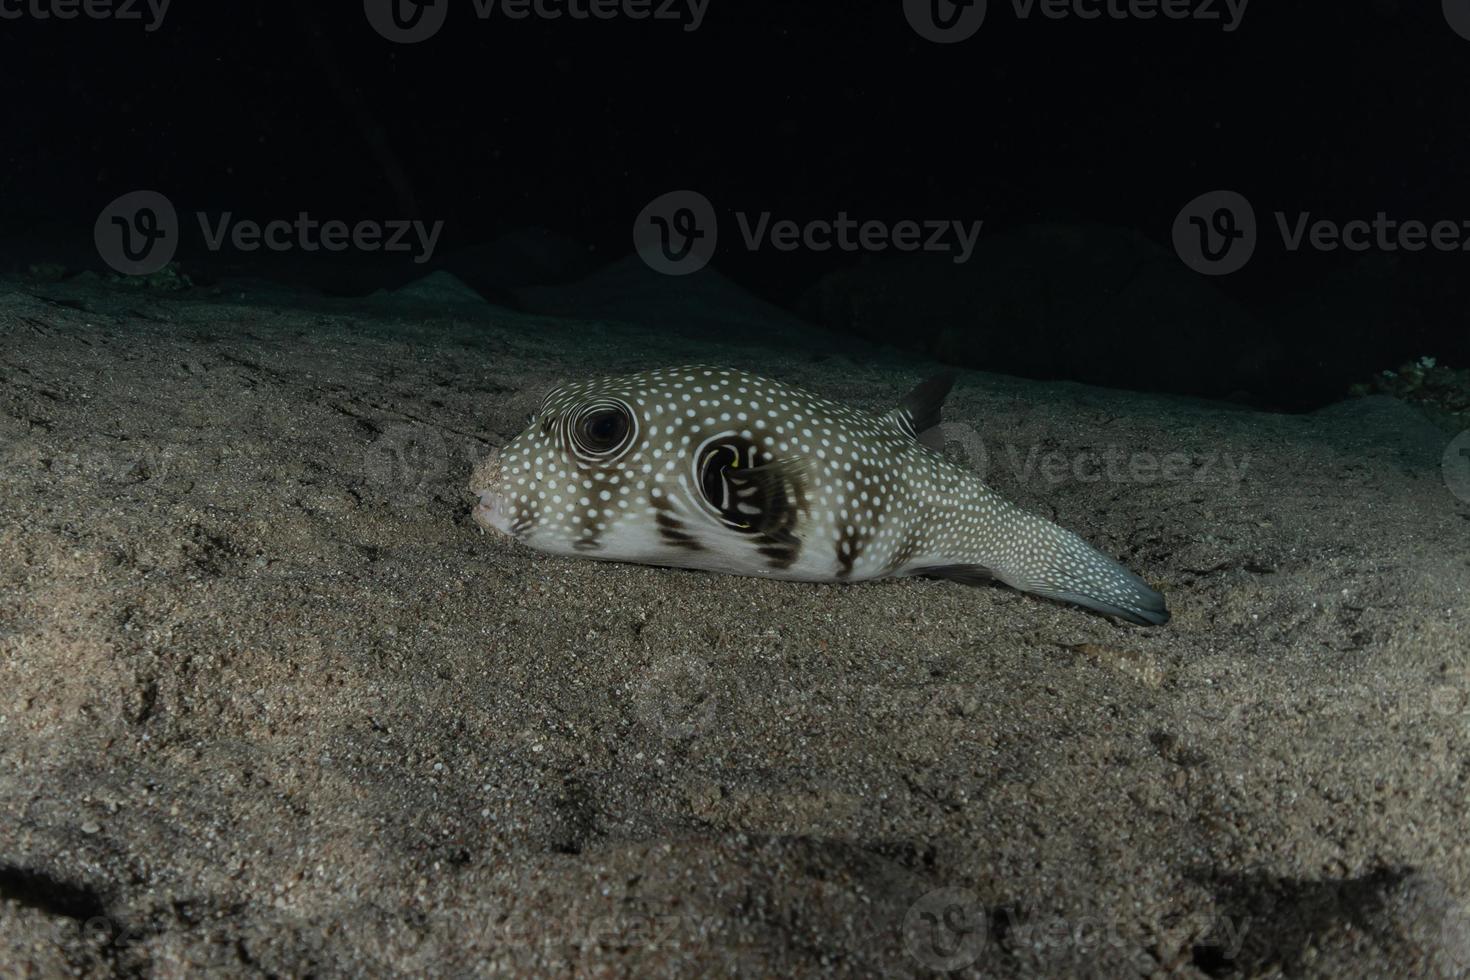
(603, 429)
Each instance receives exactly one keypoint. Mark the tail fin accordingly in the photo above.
(1046, 560)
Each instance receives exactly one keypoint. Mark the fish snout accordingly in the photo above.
(491, 514)
(494, 511)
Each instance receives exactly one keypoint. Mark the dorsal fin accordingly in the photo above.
(933, 438)
(919, 412)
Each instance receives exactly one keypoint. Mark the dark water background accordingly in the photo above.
(1076, 141)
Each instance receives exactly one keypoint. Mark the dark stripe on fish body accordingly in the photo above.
(847, 556)
(780, 546)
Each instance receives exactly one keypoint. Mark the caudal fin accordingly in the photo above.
(1112, 590)
(1056, 563)
(1036, 556)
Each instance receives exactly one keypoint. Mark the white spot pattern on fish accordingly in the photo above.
(716, 469)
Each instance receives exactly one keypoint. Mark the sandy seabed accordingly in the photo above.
(271, 704)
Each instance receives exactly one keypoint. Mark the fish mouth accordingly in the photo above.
(491, 516)
(491, 512)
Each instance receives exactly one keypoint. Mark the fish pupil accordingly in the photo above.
(604, 429)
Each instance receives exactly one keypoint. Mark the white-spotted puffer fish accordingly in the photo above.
(716, 469)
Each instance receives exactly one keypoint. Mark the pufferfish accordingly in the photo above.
(716, 469)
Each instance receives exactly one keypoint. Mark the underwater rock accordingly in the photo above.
(1437, 390)
(436, 289)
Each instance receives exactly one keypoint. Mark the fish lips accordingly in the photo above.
(494, 511)
(492, 514)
